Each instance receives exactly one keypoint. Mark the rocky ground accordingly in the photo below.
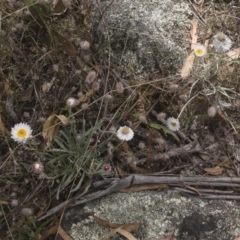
(75, 71)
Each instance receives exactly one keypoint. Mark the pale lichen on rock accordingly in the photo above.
(136, 30)
(159, 213)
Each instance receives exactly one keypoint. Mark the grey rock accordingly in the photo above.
(136, 30)
(159, 213)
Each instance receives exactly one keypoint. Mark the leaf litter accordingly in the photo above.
(28, 94)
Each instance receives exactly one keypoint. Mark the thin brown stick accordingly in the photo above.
(137, 179)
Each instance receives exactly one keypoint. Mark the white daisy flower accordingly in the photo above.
(221, 42)
(125, 133)
(173, 124)
(200, 50)
(21, 132)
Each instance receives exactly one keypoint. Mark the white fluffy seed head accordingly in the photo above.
(119, 87)
(221, 42)
(160, 141)
(85, 45)
(72, 102)
(108, 97)
(161, 116)
(96, 86)
(87, 58)
(142, 118)
(85, 106)
(55, 67)
(173, 86)
(19, 25)
(113, 129)
(27, 212)
(91, 77)
(212, 111)
(142, 145)
(14, 202)
(183, 97)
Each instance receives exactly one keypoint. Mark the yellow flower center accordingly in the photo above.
(21, 133)
(125, 130)
(199, 52)
(173, 124)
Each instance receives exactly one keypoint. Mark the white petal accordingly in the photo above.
(123, 136)
(17, 128)
(173, 124)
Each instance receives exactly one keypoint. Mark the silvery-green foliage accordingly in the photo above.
(73, 158)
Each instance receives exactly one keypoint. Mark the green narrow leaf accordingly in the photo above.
(165, 129)
(61, 144)
(79, 184)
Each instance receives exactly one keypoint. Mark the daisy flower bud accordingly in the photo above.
(200, 50)
(21, 132)
(125, 133)
(173, 124)
(37, 167)
(107, 168)
(221, 42)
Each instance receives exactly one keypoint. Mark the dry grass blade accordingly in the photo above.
(126, 234)
(214, 171)
(3, 130)
(85, 97)
(51, 127)
(187, 65)
(143, 187)
(63, 234)
(194, 33)
(234, 54)
(63, 119)
(26, 94)
(127, 227)
(137, 169)
(50, 231)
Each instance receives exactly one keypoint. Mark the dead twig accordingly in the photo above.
(137, 179)
(192, 147)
